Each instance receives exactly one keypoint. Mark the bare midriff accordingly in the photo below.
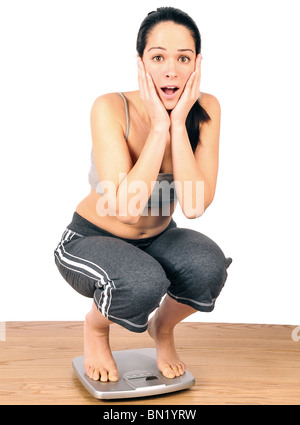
(147, 226)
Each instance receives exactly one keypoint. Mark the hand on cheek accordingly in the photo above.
(148, 94)
(189, 95)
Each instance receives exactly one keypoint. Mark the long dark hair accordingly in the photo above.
(197, 113)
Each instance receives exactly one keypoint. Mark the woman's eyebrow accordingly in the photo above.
(178, 50)
(151, 48)
(185, 50)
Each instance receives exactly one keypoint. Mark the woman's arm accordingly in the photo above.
(195, 174)
(122, 179)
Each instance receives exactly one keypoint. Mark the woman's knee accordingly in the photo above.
(197, 268)
(144, 288)
(82, 284)
(200, 285)
(207, 270)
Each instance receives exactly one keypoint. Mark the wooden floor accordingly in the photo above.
(232, 364)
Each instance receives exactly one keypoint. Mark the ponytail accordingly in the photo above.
(196, 116)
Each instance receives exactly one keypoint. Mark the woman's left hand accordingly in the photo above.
(189, 95)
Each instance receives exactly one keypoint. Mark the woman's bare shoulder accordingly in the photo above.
(107, 100)
(210, 103)
(108, 111)
(115, 98)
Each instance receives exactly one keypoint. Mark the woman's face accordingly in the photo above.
(169, 57)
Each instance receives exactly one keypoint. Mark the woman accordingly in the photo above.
(122, 247)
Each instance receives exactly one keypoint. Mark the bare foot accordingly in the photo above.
(168, 361)
(98, 360)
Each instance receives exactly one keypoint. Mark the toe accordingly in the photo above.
(95, 375)
(181, 368)
(104, 376)
(175, 369)
(113, 375)
(90, 372)
(168, 372)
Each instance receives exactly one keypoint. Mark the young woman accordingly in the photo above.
(152, 148)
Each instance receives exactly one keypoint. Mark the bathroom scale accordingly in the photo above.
(138, 377)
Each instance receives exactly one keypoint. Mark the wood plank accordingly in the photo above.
(232, 364)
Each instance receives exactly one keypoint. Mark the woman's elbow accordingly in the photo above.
(192, 213)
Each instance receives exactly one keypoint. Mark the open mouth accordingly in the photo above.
(170, 90)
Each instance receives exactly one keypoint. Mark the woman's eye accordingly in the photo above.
(184, 59)
(157, 58)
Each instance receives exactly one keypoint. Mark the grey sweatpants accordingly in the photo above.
(128, 277)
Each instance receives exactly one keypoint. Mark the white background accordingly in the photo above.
(57, 56)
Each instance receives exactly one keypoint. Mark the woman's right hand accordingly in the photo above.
(157, 112)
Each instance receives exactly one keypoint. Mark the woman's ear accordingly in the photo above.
(139, 57)
(140, 60)
(198, 61)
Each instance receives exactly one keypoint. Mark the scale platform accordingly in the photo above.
(138, 377)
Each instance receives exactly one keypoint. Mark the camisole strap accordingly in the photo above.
(127, 115)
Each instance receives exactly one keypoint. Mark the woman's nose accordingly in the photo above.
(170, 70)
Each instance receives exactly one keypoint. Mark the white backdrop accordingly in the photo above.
(57, 56)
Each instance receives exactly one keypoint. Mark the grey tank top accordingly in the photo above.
(164, 190)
